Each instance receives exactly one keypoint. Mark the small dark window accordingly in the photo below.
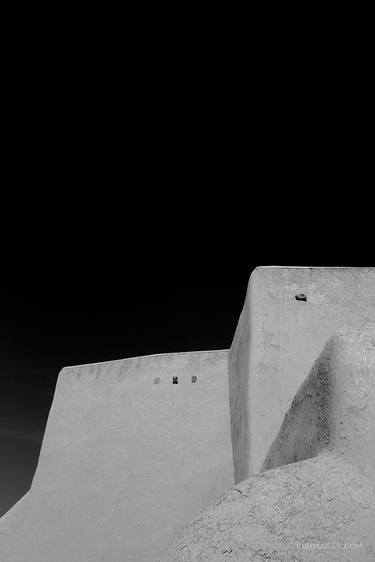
(175, 380)
(301, 297)
(157, 380)
(193, 378)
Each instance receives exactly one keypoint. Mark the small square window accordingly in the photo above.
(175, 380)
(193, 378)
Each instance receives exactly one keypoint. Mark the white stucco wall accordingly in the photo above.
(277, 341)
(11, 525)
(125, 461)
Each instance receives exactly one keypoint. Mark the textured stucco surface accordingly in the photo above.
(128, 457)
(11, 525)
(319, 509)
(309, 511)
(334, 409)
(277, 341)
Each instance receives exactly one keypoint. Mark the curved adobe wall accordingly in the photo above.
(128, 457)
(319, 509)
(335, 406)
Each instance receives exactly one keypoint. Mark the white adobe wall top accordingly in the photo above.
(167, 355)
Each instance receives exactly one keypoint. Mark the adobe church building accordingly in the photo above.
(265, 451)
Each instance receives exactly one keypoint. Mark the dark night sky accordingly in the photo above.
(100, 306)
(137, 214)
